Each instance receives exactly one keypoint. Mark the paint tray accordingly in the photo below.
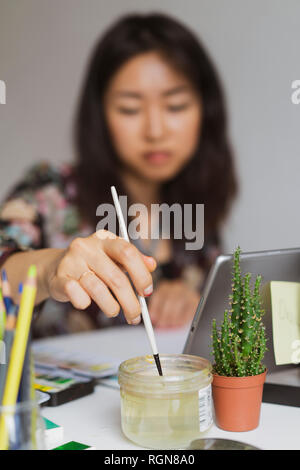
(62, 386)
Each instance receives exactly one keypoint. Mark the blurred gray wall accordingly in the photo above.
(44, 48)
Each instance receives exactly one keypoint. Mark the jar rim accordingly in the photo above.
(202, 370)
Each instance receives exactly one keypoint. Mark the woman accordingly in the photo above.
(151, 121)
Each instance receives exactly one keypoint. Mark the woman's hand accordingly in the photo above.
(92, 268)
(173, 304)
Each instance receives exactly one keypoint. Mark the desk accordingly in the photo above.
(95, 419)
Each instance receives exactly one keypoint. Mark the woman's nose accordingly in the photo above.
(155, 125)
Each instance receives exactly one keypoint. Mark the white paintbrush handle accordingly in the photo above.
(148, 324)
(119, 213)
(144, 308)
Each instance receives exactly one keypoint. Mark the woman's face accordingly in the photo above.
(154, 117)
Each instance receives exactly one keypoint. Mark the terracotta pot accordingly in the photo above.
(237, 401)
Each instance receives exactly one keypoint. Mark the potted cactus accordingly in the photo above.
(239, 346)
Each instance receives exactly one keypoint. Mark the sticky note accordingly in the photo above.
(285, 303)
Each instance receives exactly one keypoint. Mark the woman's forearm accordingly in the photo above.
(90, 269)
(45, 260)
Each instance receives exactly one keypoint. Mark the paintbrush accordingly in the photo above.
(143, 304)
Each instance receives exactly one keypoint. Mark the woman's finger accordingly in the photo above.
(105, 268)
(131, 259)
(179, 309)
(156, 301)
(150, 262)
(191, 308)
(64, 289)
(99, 292)
(184, 314)
(169, 312)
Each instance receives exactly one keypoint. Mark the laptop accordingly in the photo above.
(283, 382)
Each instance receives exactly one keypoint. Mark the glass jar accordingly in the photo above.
(169, 411)
(21, 427)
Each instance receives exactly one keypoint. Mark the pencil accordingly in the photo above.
(20, 289)
(2, 315)
(33, 398)
(143, 304)
(6, 292)
(18, 350)
(25, 393)
(8, 341)
(15, 307)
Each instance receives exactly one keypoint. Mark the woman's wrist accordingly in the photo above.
(46, 268)
(46, 261)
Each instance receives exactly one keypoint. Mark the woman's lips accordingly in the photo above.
(157, 158)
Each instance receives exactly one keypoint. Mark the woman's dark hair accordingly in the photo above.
(209, 176)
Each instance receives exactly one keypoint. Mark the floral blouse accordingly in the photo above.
(39, 213)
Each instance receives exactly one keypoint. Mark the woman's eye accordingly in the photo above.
(178, 107)
(128, 110)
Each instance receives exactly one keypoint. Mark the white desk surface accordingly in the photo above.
(95, 419)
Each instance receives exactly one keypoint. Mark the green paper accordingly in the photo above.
(72, 445)
(285, 302)
(49, 424)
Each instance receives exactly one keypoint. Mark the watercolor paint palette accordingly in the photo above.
(82, 364)
(41, 397)
(62, 386)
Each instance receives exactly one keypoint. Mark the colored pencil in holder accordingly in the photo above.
(18, 350)
(15, 307)
(25, 394)
(6, 291)
(8, 338)
(2, 315)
